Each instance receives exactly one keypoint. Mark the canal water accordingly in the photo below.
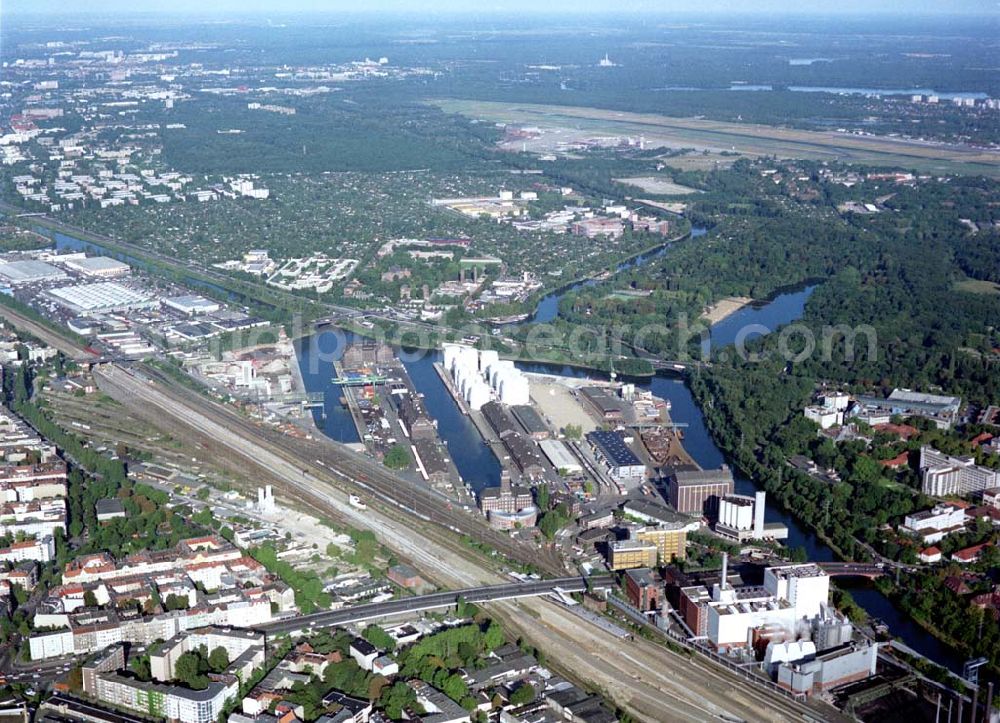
(547, 308)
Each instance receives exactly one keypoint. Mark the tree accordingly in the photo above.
(522, 695)
(397, 457)
(218, 659)
(493, 638)
(454, 687)
(379, 638)
(176, 602)
(394, 699)
(187, 670)
(89, 599)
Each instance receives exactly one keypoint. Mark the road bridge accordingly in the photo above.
(486, 593)
(853, 569)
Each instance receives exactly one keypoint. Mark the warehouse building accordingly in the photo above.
(560, 456)
(191, 304)
(623, 465)
(431, 462)
(100, 267)
(524, 454)
(21, 273)
(533, 424)
(101, 298)
(607, 407)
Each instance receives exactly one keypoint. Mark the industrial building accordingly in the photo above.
(670, 542)
(101, 267)
(479, 376)
(625, 554)
(944, 476)
(622, 464)
(560, 456)
(606, 406)
(191, 304)
(505, 498)
(733, 616)
(101, 298)
(532, 422)
(832, 668)
(941, 410)
(416, 423)
(741, 518)
(431, 461)
(806, 586)
(644, 588)
(693, 491)
(20, 273)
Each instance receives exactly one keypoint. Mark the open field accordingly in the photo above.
(562, 125)
(977, 286)
(660, 185)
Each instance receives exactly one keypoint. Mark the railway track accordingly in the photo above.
(323, 465)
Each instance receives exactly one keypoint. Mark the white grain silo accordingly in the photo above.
(451, 353)
(479, 394)
(488, 357)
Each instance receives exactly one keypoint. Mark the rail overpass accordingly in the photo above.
(487, 593)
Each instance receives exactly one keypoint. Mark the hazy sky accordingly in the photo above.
(175, 7)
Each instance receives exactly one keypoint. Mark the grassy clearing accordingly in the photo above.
(977, 286)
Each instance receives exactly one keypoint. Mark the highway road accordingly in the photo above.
(481, 594)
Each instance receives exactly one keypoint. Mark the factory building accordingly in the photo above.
(431, 461)
(607, 406)
(523, 453)
(644, 588)
(698, 492)
(805, 586)
(670, 542)
(792, 600)
(416, 423)
(622, 464)
(507, 505)
(532, 422)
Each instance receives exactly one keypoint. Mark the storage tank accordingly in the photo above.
(450, 356)
(502, 366)
(487, 358)
(514, 390)
(479, 395)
